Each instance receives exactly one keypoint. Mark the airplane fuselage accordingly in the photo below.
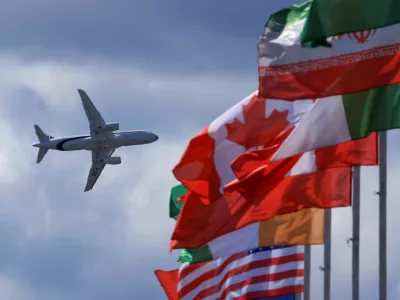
(87, 142)
(102, 141)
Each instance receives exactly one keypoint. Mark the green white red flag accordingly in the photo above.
(339, 119)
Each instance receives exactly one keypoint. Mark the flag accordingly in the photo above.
(286, 297)
(329, 18)
(198, 224)
(299, 228)
(330, 167)
(276, 273)
(255, 123)
(175, 206)
(348, 117)
(257, 273)
(251, 126)
(356, 61)
(169, 282)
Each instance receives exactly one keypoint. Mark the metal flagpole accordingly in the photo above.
(356, 233)
(382, 214)
(307, 272)
(327, 254)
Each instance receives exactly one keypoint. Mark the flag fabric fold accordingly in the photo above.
(348, 117)
(175, 206)
(300, 228)
(251, 126)
(169, 282)
(356, 61)
(253, 123)
(359, 152)
(275, 273)
(253, 274)
(198, 224)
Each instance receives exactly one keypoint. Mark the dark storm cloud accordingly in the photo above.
(188, 35)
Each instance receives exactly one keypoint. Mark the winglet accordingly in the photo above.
(82, 93)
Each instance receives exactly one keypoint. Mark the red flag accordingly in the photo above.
(169, 282)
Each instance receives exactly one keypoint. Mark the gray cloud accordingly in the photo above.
(166, 66)
(177, 35)
(61, 243)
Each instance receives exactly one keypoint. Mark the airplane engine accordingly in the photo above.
(111, 127)
(113, 160)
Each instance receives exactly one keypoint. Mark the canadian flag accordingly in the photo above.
(232, 183)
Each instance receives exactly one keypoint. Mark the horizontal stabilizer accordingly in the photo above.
(42, 152)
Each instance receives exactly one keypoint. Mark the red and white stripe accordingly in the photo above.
(245, 275)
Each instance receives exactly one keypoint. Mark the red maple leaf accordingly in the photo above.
(256, 129)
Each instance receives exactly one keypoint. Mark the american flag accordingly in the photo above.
(258, 273)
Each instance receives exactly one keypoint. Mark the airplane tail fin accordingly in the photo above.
(42, 139)
(41, 135)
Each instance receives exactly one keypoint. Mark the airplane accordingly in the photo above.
(103, 140)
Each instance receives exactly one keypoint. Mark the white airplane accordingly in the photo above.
(102, 141)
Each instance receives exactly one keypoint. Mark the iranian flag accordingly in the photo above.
(300, 228)
(329, 18)
(209, 165)
(356, 61)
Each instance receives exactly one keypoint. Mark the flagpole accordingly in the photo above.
(382, 214)
(327, 254)
(307, 272)
(356, 233)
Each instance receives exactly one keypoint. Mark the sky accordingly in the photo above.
(170, 67)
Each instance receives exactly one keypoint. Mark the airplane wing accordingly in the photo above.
(97, 167)
(93, 116)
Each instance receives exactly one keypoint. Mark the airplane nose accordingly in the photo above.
(155, 137)
(35, 145)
